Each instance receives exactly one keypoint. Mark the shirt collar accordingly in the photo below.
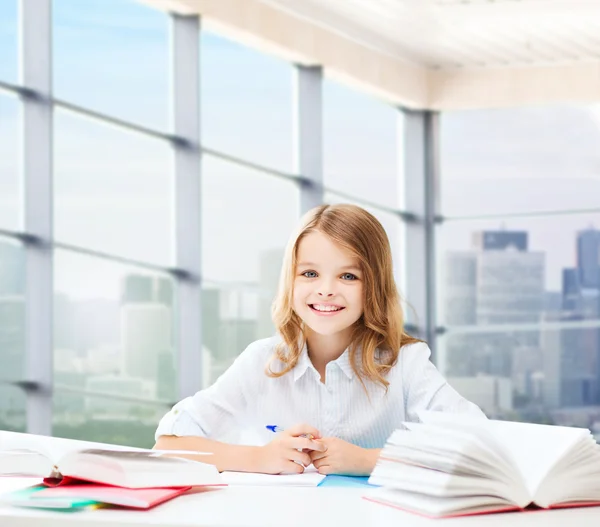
(304, 363)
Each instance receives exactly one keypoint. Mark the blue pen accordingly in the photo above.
(275, 428)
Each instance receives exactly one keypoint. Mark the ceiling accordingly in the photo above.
(447, 34)
(436, 54)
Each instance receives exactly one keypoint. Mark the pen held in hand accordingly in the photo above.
(275, 428)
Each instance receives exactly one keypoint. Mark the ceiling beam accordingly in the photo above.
(301, 41)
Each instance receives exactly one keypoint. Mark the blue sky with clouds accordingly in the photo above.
(113, 189)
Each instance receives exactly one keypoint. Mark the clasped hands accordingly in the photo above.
(301, 445)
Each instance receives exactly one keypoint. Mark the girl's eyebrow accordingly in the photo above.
(350, 267)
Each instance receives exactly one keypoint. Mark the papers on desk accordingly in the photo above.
(310, 478)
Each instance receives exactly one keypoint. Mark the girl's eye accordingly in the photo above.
(348, 276)
(309, 274)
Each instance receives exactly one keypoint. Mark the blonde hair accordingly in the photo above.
(381, 326)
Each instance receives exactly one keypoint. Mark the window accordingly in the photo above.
(361, 146)
(12, 311)
(112, 56)
(548, 375)
(520, 160)
(519, 270)
(246, 103)
(247, 218)
(232, 318)
(114, 335)
(106, 420)
(8, 41)
(10, 206)
(113, 190)
(13, 408)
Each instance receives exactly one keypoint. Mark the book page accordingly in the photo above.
(533, 449)
(53, 448)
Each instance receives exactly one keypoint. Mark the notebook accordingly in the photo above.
(452, 465)
(309, 478)
(86, 495)
(59, 461)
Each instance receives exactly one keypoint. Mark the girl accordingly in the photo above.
(339, 377)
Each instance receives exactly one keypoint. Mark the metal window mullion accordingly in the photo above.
(308, 134)
(36, 74)
(421, 194)
(185, 94)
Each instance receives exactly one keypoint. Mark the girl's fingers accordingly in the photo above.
(300, 457)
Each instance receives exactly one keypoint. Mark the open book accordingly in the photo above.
(60, 460)
(452, 465)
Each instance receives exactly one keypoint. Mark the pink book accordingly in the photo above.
(131, 498)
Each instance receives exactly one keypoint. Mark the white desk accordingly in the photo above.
(269, 507)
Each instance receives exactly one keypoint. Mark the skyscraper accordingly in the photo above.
(498, 282)
(588, 258)
(500, 240)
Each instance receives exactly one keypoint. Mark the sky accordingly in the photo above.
(113, 189)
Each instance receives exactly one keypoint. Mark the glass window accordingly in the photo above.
(12, 311)
(113, 57)
(246, 103)
(8, 41)
(105, 419)
(247, 218)
(9, 162)
(232, 318)
(114, 329)
(361, 146)
(113, 190)
(520, 160)
(549, 375)
(519, 270)
(13, 408)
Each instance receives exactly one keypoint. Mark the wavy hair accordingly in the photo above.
(379, 333)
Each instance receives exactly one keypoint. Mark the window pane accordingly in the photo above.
(519, 270)
(246, 103)
(520, 160)
(548, 375)
(8, 41)
(247, 218)
(106, 420)
(112, 56)
(9, 162)
(13, 409)
(113, 334)
(361, 146)
(232, 318)
(12, 311)
(113, 190)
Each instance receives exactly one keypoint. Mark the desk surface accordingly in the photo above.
(274, 506)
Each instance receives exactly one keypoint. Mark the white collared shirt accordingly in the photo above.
(245, 400)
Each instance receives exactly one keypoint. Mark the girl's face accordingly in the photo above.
(328, 285)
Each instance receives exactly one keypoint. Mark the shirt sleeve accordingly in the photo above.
(218, 411)
(426, 389)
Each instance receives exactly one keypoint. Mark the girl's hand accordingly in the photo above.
(344, 458)
(289, 452)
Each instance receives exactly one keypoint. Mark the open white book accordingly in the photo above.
(452, 465)
(56, 460)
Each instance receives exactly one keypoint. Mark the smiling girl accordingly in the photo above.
(340, 375)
